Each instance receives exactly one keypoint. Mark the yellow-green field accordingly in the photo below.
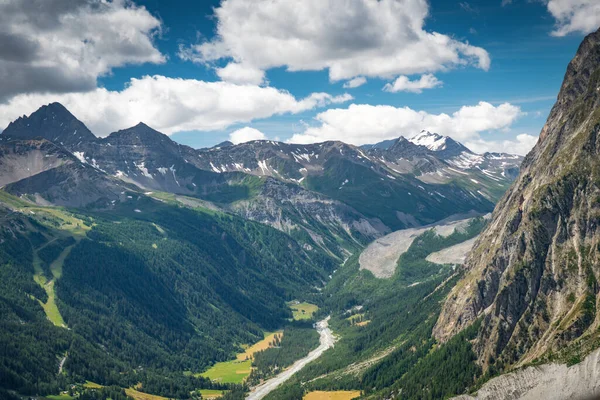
(338, 395)
(302, 310)
(50, 307)
(142, 396)
(229, 371)
(211, 393)
(237, 371)
(262, 345)
(59, 397)
(92, 385)
(54, 217)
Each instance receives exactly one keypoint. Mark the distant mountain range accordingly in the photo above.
(338, 195)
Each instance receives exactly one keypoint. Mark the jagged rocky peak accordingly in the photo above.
(533, 275)
(52, 122)
(138, 135)
(444, 145)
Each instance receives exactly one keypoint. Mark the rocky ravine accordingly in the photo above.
(533, 274)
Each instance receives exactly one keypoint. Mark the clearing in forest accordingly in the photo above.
(229, 371)
(50, 307)
(337, 395)
(211, 393)
(142, 396)
(302, 310)
(236, 371)
(264, 344)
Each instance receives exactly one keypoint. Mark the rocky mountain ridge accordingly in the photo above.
(328, 192)
(532, 277)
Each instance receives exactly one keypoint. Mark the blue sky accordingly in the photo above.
(528, 60)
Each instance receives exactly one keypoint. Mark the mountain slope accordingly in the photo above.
(533, 275)
(50, 175)
(52, 122)
(359, 178)
(148, 291)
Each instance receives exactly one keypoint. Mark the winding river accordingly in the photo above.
(326, 341)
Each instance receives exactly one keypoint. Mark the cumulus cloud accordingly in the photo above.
(64, 46)
(355, 82)
(404, 84)
(171, 105)
(241, 74)
(246, 134)
(361, 123)
(575, 16)
(521, 145)
(383, 38)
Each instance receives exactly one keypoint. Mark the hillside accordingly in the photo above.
(146, 287)
(532, 278)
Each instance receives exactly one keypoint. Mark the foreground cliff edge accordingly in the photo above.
(532, 277)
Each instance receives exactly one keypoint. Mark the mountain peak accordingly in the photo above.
(139, 135)
(432, 141)
(52, 122)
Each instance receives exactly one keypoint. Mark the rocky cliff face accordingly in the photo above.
(533, 274)
(52, 122)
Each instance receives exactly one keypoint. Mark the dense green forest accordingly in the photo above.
(152, 290)
(146, 295)
(394, 351)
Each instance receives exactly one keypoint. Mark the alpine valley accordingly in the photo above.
(132, 266)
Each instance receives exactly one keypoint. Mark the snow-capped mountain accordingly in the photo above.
(332, 191)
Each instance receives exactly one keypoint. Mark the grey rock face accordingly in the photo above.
(533, 274)
(52, 122)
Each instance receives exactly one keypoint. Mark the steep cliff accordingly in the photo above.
(533, 275)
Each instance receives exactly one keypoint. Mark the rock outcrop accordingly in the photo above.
(533, 274)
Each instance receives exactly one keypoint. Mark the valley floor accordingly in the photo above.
(327, 341)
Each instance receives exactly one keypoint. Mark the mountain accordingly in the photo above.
(421, 187)
(341, 184)
(48, 174)
(532, 277)
(147, 291)
(52, 122)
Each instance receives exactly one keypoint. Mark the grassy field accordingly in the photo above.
(142, 396)
(302, 310)
(229, 371)
(59, 397)
(262, 345)
(92, 385)
(211, 393)
(338, 395)
(237, 371)
(50, 307)
(54, 217)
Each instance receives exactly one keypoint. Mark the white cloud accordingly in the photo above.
(355, 82)
(361, 123)
(64, 46)
(521, 145)
(575, 16)
(171, 105)
(246, 134)
(383, 38)
(404, 84)
(241, 74)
